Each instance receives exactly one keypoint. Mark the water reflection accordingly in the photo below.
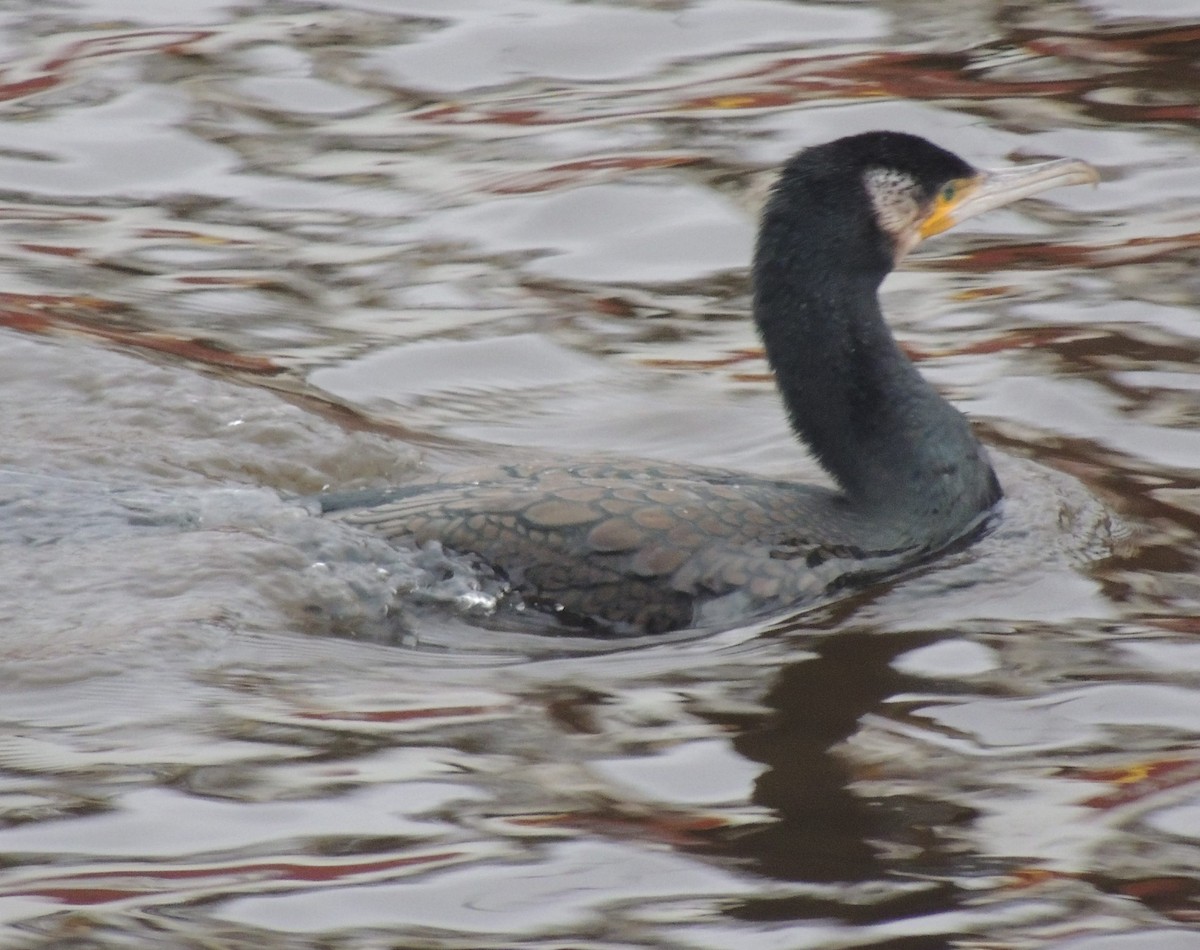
(823, 831)
(248, 254)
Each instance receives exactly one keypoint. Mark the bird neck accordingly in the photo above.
(895, 447)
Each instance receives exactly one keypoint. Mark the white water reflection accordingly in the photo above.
(518, 41)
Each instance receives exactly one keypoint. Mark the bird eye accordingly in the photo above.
(948, 192)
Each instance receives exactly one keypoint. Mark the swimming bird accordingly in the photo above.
(618, 547)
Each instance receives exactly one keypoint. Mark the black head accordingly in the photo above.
(926, 166)
(839, 218)
(862, 200)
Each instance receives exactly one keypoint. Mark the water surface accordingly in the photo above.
(249, 253)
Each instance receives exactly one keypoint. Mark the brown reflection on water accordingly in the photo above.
(45, 315)
(60, 64)
(1108, 76)
(823, 831)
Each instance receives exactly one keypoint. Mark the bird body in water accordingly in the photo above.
(624, 547)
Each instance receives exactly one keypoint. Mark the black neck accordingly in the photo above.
(894, 446)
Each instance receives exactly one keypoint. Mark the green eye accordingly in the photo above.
(948, 192)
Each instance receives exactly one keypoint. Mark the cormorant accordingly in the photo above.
(626, 547)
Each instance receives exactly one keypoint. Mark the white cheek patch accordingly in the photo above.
(894, 200)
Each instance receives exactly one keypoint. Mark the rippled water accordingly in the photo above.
(250, 252)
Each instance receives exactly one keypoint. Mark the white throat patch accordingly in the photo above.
(894, 200)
